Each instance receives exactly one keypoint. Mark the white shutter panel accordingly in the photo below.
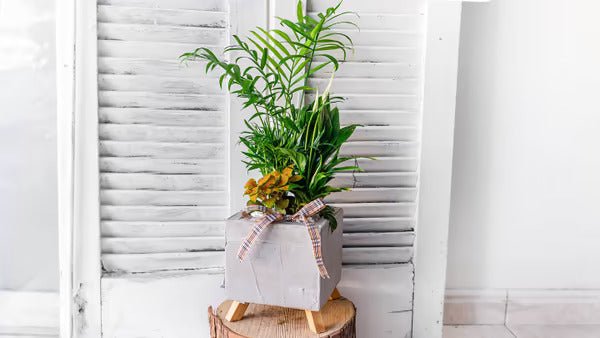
(163, 136)
(381, 85)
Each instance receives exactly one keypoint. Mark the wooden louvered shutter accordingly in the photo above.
(163, 136)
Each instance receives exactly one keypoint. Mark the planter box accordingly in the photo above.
(281, 270)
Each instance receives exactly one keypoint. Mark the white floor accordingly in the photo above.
(484, 331)
(26, 336)
(522, 331)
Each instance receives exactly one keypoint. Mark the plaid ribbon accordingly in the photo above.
(304, 215)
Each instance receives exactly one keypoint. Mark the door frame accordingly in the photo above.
(79, 178)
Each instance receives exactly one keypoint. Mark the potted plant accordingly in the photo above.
(293, 139)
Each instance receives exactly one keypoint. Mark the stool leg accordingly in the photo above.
(335, 294)
(315, 321)
(236, 311)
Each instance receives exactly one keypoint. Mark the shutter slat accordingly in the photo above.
(388, 224)
(386, 21)
(385, 164)
(137, 229)
(157, 16)
(408, 102)
(374, 195)
(400, 209)
(163, 149)
(377, 255)
(379, 54)
(361, 6)
(162, 213)
(163, 261)
(162, 198)
(369, 85)
(369, 117)
(165, 244)
(385, 133)
(369, 180)
(379, 239)
(161, 33)
(204, 5)
(381, 37)
(142, 66)
(158, 84)
(161, 182)
(146, 116)
(120, 99)
(369, 70)
(136, 132)
(379, 148)
(161, 166)
(148, 49)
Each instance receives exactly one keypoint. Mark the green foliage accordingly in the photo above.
(269, 71)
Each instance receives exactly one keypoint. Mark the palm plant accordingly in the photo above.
(270, 72)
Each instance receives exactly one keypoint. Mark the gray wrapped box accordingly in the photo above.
(281, 270)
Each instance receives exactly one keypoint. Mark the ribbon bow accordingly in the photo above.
(304, 215)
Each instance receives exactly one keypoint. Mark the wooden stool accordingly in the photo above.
(335, 320)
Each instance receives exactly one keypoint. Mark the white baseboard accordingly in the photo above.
(522, 307)
(29, 313)
(475, 307)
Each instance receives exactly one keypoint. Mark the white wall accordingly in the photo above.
(28, 227)
(526, 186)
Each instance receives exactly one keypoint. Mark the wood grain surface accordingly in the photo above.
(263, 321)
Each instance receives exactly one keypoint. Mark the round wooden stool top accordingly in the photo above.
(263, 321)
